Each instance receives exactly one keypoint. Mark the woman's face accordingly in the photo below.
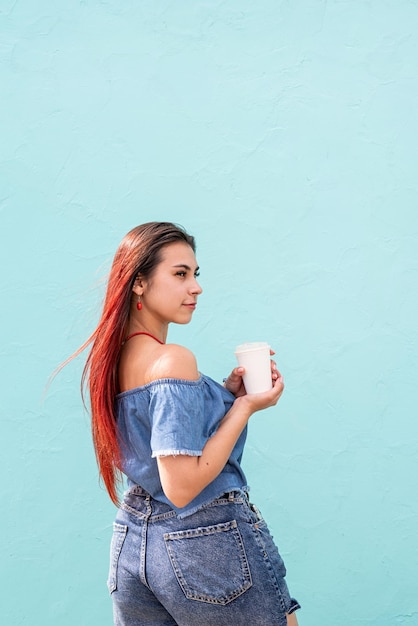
(170, 295)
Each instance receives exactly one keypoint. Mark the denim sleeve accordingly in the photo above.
(177, 416)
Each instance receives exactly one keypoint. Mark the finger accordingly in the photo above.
(274, 371)
(237, 372)
(279, 381)
(277, 375)
(235, 376)
(272, 352)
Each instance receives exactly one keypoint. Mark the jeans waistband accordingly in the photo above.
(137, 490)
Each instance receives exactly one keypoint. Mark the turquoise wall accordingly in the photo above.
(283, 135)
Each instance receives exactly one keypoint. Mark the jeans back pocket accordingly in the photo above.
(210, 562)
(118, 537)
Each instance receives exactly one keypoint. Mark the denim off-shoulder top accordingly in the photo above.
(172, 416)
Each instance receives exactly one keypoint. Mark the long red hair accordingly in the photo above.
(138, 254)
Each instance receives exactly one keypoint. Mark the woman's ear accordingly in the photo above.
(138, 287)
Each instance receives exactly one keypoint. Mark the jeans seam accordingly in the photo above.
(132, 511)
(118, 539)
(143, 549)
(143, 516)
(269, 566)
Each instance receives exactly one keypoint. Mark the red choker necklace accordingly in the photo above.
(143, 333)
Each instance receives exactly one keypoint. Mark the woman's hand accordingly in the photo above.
(235, 384)
(259, 401)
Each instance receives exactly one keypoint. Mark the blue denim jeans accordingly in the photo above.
(218, 566)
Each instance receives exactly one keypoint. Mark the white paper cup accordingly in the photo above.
(255, 357)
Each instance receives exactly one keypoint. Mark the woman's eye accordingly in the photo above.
(183, 274)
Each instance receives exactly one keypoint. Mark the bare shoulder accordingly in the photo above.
(174, 361)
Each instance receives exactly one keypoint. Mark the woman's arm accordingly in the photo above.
(184, 477)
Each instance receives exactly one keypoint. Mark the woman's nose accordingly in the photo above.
(196, 288)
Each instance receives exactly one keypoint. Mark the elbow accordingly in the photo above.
(180, 503)
(179, 498)
(179, 479)
(179, 495)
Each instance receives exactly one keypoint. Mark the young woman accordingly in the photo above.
(188, 548)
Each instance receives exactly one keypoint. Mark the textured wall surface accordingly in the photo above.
(283, 135)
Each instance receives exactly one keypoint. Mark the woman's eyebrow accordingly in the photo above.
(186, 267)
